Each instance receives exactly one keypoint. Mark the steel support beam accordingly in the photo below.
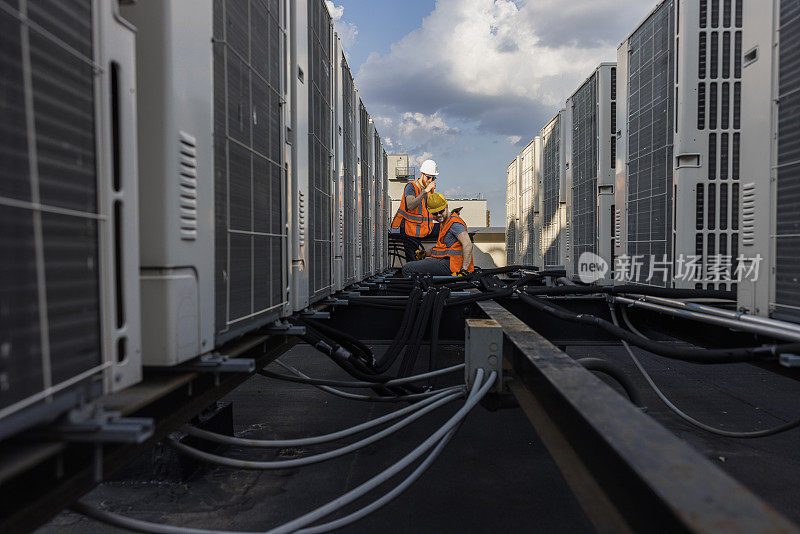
(628, 472)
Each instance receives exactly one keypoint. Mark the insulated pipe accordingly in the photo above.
(197, 454)
(696, 355)
(354, 396)
(688, 418)
(615, 372)
(736, 324)
(479, 391)
(444, 433)
(634, 290)
(730, 314)
(314, 440)
(353, 384)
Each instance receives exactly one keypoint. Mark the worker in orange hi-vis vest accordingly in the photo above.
(412, 218)
(452, 254)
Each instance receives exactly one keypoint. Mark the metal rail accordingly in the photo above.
(628, 472)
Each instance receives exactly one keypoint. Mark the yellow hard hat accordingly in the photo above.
(436, 202)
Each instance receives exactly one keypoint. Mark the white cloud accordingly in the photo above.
(506, 65)
(347, 31)
(514, 139)
(335, 11)
(414, 132)
(417, 159)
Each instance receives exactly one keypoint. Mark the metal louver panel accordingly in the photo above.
(511, 213)
(350, 158)
(584, 168)
(366, 194)
(551, 186)
(50, 221)
(787, 246)
(249, 183)
(320, 201)
(527, 216)
(650, 142)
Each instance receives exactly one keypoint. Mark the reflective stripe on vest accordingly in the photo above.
(415, 223)
(455, 252)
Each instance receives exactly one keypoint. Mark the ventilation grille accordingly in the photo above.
(49, 218)
(249, 182)
(367, 202)
(320, 201)
(650, 138)
(527, 208)
(551, 187)
(717, 197)
(188, 186)
(787, 264)
(584, 168)
(511, 213)
(377, 203)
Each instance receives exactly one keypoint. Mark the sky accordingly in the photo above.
(469, 83)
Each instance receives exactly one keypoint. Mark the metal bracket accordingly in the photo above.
(350, 294)
(789, 360)
(483, 349)
(93, 424)
(216, 363)
(313, 314)
(285, 329)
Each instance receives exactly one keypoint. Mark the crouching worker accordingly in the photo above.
(453, 251)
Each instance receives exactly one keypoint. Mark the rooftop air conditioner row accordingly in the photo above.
(769, 273)
(69, 294)
(512, 211)
(591, 162)
(529, 204)
(553, 194)
(642, 219)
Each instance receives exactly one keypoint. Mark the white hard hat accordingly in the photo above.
(429, 167)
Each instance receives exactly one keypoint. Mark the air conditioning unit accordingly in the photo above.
(707, 145)
(553, 196)
(379, 225)
(213, 181)
(350, 185)
(337, 73)
(367, 193)
(642, 215)
(591, 161)
(529, 215)
(314, 30)
(512, 211)
(69, 296)
(770, 168)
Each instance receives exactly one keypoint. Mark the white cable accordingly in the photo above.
(478, 392)
(683, 415)
(313, 459)
(388, 497)
(368, 398)
(362, 384)
(301, 442)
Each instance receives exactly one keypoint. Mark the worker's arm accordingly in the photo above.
(412, 202)
(466, 242)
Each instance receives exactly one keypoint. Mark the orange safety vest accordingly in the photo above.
(455, 251)
(418, 222)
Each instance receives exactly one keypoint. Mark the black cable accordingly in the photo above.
(387, 360)
(420, 323)
(615, 372)
(436, 320)
(469, 299)
(706, 356)
(653, 291)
